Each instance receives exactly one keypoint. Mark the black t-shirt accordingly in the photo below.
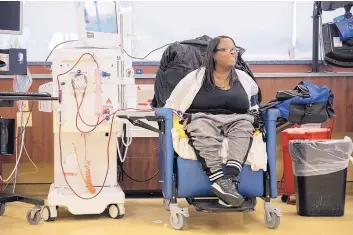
(218, 101)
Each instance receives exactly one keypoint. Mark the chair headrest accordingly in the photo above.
(333, 5)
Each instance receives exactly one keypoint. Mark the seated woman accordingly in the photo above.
(217, 99)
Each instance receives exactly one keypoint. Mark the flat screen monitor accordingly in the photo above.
(11, 17)
(98, 23)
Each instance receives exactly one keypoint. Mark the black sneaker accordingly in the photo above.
(226, 190)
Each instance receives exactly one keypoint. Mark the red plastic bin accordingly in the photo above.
(297, 134)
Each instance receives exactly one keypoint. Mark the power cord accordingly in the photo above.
(140, 181)
(29, 116)
(122, 159)
(14, 174)
(133, 57)
(142, 58)
(17, 160)
(23, 147)
(125, 146)
(52, 50)
(26, 173)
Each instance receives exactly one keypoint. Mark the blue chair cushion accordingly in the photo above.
(193, 181)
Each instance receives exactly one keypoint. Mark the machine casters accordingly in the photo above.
(166, 203)
(2, 208)
(272, 216)
(178, 216)
(114, 212)
(33, 216)
(47, 215)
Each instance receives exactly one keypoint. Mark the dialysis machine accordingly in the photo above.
(90, 79)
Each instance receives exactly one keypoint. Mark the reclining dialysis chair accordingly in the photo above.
(182, 178)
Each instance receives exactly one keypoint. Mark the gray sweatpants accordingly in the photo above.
(207, 132)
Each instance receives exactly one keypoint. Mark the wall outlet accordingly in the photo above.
(24, 119)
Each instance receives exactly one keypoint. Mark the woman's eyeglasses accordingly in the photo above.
(229, 50)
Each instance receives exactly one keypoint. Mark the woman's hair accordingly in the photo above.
(209, 64)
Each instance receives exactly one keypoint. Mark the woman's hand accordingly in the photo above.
(185, 119)
(257, 118)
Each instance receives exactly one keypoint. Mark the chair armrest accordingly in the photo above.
(270, 117)
(165, 113)
(166, 152)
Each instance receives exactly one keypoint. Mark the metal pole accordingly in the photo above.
(315, 50)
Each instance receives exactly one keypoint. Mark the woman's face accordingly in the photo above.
(226, 53)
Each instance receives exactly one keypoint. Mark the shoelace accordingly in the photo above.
(235, 181)
(231, 182)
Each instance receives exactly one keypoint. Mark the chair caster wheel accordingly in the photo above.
(272, 216)
(33, 216)
(272, 222)
(284, 198)
(178, 221)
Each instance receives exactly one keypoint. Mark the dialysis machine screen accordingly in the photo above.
(101, 17)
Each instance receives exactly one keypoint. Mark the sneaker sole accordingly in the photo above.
(224, 204)
(227, 197)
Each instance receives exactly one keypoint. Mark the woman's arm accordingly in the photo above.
(181, 92)
(250, 87)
